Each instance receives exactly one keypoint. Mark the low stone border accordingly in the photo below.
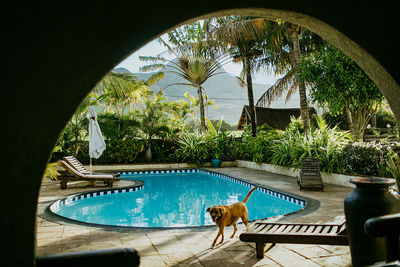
(161, 166)
(329, 178)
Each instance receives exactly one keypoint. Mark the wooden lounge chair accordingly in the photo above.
(295, 233)
(75, 175)
(309, 174)
(77, 165)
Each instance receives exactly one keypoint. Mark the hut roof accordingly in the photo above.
(276, 118)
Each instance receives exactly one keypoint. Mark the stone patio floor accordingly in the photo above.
(191, 247)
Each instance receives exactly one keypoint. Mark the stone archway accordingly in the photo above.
(56, 52)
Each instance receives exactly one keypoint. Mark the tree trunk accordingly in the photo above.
(148, 155)
(348, 117)
(250, 96)
(373, 120)
(302, 86)
(202, 116)
(362, 117)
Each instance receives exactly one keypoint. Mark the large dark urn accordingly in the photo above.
(370, 198)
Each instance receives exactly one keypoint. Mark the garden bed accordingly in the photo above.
(330, 178)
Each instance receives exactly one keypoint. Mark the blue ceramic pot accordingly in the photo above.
(216, 163)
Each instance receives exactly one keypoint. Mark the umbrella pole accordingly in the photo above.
(90, 166)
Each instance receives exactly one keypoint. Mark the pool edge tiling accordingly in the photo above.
(297, 200)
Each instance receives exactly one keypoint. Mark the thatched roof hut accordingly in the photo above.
(276, 118)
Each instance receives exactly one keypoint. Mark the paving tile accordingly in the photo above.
(48, 241)
(337, 250)
(246, 258)
(104, 237)
(75, 248)
(264, 262)
(49, 234)
(152, 261)
(220, 263)
(332, 261)
(47, 223)
(71, 233)
(180, 259)
(167, 245)
(75, 240)
(47, 250)
(132, 236)
(313, 252)
(143, 246)
(302, 263)
(283, 256)
(52, 228)
(161, 233)
(214, 254)
(106, 245)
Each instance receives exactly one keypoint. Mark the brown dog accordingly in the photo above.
(226, 215)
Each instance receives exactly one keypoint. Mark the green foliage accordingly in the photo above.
(339, 84)
(393, 166)
(287, 148)
(385, 117)
(366, 158)
(113, 127)
(257, 148)
(121, 151)
(51, 171)
(338, 120)
(222, 145)
(336, 79)
(193, 148)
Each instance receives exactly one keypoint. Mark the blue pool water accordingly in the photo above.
(173, 200)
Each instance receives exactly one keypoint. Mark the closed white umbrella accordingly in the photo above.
(96, 140)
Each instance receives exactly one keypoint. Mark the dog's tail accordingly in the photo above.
(249, 194)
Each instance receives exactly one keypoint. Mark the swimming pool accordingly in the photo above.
(172, 199)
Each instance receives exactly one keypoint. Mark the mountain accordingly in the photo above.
(223, 88)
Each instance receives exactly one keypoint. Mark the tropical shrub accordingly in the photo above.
(393, 166)
(163, 151)
(193, 148)
(338, 120)
(258, 148)
(241, 150)
(121, 151)
(323, 143)
(366, 158)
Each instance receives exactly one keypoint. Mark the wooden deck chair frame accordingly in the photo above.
(295, 233)
(75, 175)
(76, 164)
(309, 174)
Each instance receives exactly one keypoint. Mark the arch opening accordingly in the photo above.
(86, 59)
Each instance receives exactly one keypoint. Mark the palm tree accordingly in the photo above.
(243, 37)
(118, 92)
(197, 59)
(153, 120)
(285, 58)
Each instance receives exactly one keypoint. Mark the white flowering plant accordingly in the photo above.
(367, 158)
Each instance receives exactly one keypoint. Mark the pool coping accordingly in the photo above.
(310, 205)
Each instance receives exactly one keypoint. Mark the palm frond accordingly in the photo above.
(156, 77)
(291, 91)
(277, 89)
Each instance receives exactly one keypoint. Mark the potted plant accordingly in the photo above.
(218, 151)
(216, 160)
